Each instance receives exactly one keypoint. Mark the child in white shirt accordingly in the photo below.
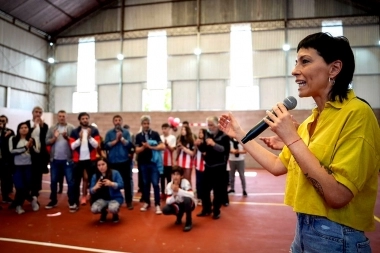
(180, 198)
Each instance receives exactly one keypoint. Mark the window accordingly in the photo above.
(86, 96)
(241, 94)
(157, 96)
(334, 27)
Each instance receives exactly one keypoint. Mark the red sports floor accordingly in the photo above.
(257, 223)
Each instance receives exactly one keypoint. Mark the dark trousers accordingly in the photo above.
(6, 179)
(226, 200)
(140, 179)
(166, 175)
(22, 178)
(214, 179)
(58, 168)
(199, 181)
(79, 168)
(39, 164)
(125, 171)
(178, 209)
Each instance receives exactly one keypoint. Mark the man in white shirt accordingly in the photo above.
(84, 141)
(180, 198)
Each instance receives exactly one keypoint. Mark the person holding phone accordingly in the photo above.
(105, 189)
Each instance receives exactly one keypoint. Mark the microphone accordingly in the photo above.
(290, 103)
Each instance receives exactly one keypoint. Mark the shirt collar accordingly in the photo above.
(337, 104)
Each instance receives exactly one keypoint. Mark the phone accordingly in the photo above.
(101, 178)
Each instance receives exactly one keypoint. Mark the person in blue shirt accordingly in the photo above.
(117, 144)
(105, 191)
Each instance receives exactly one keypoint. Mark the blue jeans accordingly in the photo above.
(59, 167)
(150, 174)
(22, 178)
(315, 234)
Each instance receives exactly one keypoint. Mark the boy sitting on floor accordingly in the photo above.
(180, 198)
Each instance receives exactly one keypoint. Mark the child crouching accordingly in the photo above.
(180, 198)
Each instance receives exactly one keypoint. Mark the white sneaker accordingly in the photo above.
(35, 205)
(19, 210)
(144, 207)
(73, 208)
(158, 210)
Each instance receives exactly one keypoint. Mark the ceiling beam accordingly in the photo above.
(61, 10)
(88, 13)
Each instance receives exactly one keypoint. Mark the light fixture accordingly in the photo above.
(120, 57)
(51, 44)
(286, 47)
(379, 42)
(51, 60)
(197, 51)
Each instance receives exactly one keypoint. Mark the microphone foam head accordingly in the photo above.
(290, 103)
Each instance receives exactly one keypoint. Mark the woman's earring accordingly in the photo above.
(332, 81)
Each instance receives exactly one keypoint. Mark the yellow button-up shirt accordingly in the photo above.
(347, 141)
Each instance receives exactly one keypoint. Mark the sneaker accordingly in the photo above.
(231, 191)
(73, 208)
(130, 206)
(35, 204)
(245, 194)
(188, 227)
(7, 200)
(199, 202)
(83, 200)
(51, 205)
(19, 210)
(115, 218)
(158, 210)
(103, 217)
(144, 207)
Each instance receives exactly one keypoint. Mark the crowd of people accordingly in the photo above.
(98, 170)
(332, 159)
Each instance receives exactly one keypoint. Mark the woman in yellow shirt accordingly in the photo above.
(332, 159)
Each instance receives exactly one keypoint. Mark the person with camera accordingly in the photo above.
(105, 189)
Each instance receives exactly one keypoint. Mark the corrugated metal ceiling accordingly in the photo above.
(54, 16)
(51, 16)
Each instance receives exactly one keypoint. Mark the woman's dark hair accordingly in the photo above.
(17, 138)
(108, 171)
(331, 49)
(204, 131)
(188, 138)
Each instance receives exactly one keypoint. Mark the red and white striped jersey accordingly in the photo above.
(185, 160)
(167, 155)
(199, 163)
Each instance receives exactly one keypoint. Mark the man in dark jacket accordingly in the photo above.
(40, 161)
(216, 148)
(5, 160)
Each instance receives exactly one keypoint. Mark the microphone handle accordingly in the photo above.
(255, 131)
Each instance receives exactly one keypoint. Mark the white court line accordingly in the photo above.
(55, 245)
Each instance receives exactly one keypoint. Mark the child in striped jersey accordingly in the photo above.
(185, 151)
(199, 164)
(180, 198)
(167, 156)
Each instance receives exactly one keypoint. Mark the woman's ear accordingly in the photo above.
(335, 68)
